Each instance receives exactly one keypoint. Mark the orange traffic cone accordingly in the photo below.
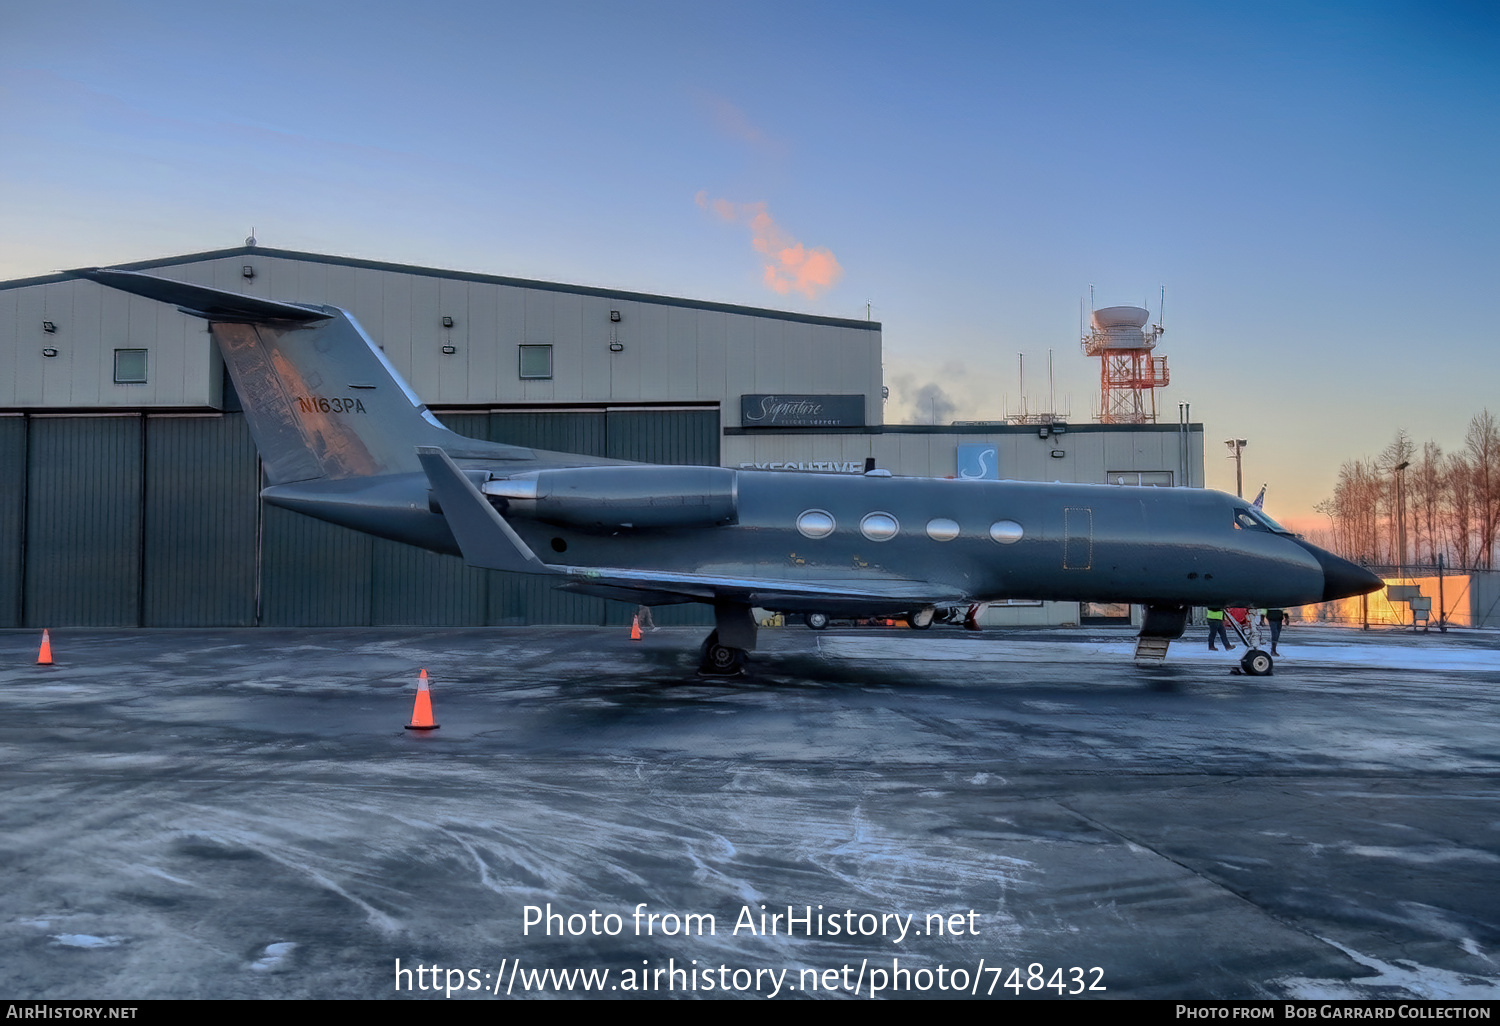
(44, 657)
(421, 711)
(635, 628)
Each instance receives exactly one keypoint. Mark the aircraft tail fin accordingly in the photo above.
(321, 398)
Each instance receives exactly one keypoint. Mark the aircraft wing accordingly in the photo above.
(488, 541)
(762, 591)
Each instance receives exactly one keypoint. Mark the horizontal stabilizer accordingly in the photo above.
(483, 536)
(201, 301)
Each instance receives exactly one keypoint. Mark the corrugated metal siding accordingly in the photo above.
(12, 517)
(313, 574)
(202, 480)
(582, 431)
(117, 536)
(665, 436)
(411, 586)
(83, 522)
(517, 599)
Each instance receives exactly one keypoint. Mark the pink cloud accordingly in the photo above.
(789, 265)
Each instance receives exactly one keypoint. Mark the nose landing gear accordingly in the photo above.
(1256, 662)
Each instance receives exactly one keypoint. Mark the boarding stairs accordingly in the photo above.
(1151, 651)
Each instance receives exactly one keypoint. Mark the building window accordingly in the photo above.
(536, 361)
(1159, 478)
(130, 366)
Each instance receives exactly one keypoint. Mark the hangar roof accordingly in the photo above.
(435, 272)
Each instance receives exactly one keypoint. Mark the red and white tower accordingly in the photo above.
(1128, 374)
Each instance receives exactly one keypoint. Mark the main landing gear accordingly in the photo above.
(726, 649)
(720, 660)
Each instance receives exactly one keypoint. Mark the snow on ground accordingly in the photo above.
(1389, 651)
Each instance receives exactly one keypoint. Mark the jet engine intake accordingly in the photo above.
(609, 498)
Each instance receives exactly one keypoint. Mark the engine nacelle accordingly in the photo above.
(613, 497)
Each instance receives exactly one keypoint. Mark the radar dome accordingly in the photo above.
(1121, 317)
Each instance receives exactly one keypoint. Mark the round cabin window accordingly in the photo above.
(1006, 532)
(879, 527)
(816, 523)
(942, 529)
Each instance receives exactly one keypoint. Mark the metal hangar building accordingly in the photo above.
(129, 484)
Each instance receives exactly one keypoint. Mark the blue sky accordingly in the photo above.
(1314, 184)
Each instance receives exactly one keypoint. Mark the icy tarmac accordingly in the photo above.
(240, 813)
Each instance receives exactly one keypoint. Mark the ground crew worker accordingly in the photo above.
(1216, 629)
(1276, 618)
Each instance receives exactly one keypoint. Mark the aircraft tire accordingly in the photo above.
(817, 621)
(912, 622)
(720, 660)
(1256, 663)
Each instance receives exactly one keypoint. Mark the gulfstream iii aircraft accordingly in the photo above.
(344, 439)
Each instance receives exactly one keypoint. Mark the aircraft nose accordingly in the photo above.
(1343, 579)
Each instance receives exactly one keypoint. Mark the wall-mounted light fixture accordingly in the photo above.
(247, 271)
(614, 315)
(447, 322)
(617, 346)
(449, 350)
(1058, 454)
(1043, 431)
(49, 327)
(49, 352)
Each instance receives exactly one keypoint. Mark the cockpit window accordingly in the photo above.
(1251, 519)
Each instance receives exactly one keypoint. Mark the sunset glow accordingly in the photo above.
(1314, 186)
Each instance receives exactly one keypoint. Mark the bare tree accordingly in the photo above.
(1355, 510)
(1458, 492)
(1427, 502)
(1483, 443)
(1451, 502)
(1394, 461)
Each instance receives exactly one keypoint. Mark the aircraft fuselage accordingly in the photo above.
(979, 540)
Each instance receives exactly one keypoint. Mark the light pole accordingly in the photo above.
(1236, 446)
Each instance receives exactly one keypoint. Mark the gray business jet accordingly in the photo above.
(344, 439)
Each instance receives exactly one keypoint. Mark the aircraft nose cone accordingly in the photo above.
(1343, 579)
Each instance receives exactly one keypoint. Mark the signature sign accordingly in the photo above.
(802, 411)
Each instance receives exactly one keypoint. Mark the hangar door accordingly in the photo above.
(154, 520)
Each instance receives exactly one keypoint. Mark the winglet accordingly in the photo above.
(483, 536)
